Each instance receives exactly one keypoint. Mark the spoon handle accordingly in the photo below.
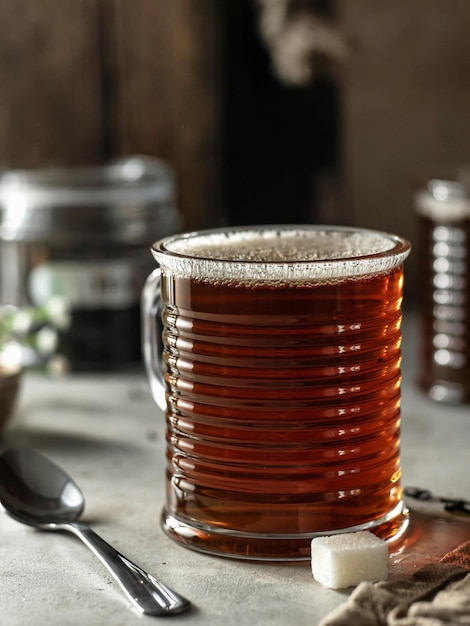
(145, 592)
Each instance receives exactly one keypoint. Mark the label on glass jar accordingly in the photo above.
(103, 284)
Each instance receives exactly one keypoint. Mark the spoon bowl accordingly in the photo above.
(37, 492)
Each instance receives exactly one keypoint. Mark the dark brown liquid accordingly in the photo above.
(284, 412)
(444, 253)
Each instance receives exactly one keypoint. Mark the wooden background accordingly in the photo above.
(189, 81)
(405, 108)
(86, 80)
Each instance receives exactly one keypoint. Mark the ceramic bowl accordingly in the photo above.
(9, 387)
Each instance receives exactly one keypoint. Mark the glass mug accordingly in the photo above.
(279, 372)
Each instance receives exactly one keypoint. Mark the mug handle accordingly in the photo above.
(152, 346)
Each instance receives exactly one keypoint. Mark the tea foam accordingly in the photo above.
(289, 246)
(280, 255)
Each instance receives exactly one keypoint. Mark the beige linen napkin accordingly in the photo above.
(438, 594)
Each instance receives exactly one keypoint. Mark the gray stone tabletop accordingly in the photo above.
(107, 433)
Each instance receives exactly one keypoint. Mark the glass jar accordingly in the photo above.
(84, 234)
(443, 211)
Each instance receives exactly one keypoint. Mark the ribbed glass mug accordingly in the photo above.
(279, 372)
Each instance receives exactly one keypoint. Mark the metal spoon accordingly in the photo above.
(35, 491)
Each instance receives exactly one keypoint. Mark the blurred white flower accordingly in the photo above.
(29, 336)
(58, 310)
(15, 354)
(22, 321)
(46, 341)
(12, 354)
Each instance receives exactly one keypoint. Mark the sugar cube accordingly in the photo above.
(346, 559)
